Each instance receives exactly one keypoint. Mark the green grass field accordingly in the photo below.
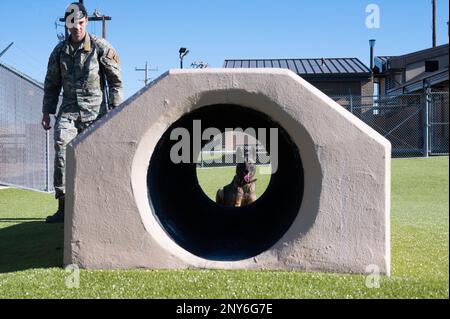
(31, 253)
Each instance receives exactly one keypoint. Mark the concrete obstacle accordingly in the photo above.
(326, 208)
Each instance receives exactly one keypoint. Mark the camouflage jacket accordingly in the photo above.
(79, 73)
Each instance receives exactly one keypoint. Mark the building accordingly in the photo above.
(413, 91)
(413, 72)
(333, 76)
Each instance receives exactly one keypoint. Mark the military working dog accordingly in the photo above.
(241, 190)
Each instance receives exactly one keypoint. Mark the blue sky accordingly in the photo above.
(214, 30)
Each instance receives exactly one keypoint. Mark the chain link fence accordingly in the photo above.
(26, 150)
(229, 149)
(438, 123)
(415, 124)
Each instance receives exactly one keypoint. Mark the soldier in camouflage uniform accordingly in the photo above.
(79, 65)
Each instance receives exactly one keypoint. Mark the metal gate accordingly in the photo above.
(415, 124)
(438, 123)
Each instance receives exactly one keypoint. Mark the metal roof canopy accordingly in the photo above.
(421, 82)
(306, 67)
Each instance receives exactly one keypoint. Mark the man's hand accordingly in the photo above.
(46, 121)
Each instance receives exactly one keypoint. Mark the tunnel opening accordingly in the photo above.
(212, 231)
(218, 158)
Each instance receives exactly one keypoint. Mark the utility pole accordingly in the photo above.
(145, 69)
(434, 22)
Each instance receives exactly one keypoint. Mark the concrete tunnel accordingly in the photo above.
(326, 206)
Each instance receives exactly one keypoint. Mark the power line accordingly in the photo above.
(7, 48)
(20, 58)
(29, 55)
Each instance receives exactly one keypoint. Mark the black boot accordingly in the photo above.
(58, 217)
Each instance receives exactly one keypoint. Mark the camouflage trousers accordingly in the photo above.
(65, 131)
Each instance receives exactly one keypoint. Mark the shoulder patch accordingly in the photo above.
(106, 49)
(112, 55)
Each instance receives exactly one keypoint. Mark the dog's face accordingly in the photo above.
(245, 171)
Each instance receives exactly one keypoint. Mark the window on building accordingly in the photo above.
(431, 66)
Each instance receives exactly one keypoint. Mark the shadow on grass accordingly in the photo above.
(15, 220)
(31, 245)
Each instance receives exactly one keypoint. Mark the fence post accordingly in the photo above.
(426, 124)
(351, 103)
